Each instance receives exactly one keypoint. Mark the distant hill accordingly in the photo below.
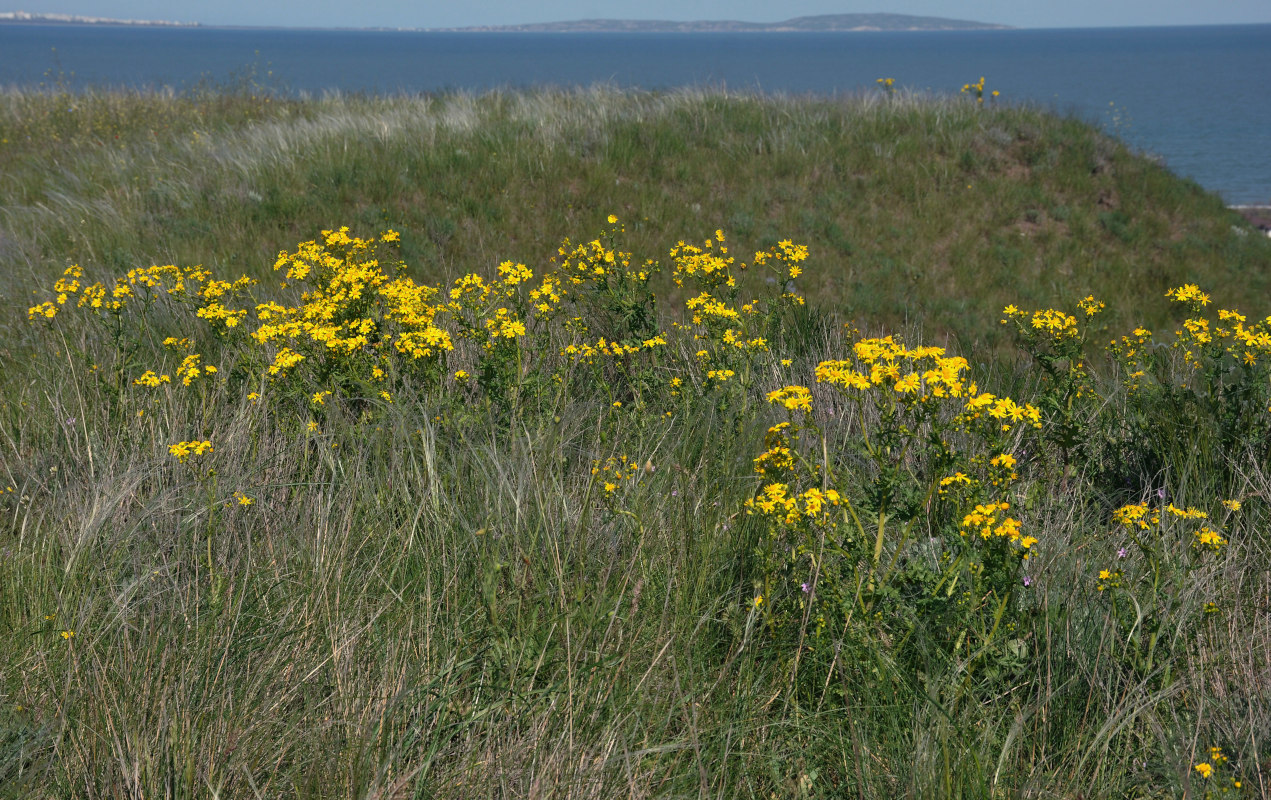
(75, 19)
(817, 24)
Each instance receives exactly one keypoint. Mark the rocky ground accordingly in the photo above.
(1258, 216)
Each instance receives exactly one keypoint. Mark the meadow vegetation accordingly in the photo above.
(600, 443)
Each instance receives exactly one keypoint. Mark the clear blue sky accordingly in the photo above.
(432, 14)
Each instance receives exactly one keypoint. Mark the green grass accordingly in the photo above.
(924, 210)
(432, 600)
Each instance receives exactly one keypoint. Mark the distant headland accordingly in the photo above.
(824, 23)
(74, 19)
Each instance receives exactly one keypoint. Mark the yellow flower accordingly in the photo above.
(795, 398)
(151, 380)
(313, 426)
(612, 219)
(183, 451)
(190, 369)
(1209, 538)
(1205, 769)
(1189, 293)
(68, 635)
(908, 384)
(45, 310)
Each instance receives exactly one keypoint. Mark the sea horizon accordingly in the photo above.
(1186, 94)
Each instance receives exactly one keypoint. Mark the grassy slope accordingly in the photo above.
(931, 211)
(435, 610)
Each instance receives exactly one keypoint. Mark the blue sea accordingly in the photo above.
(1195, 97)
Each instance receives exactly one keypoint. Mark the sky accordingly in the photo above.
(433, 14)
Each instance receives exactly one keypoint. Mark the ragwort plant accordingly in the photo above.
(904, 529)
(1056, 342)
(1193, 400)
(1161, 554)
(889, 527)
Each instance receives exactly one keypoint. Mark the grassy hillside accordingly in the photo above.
(442, 505)
(934, 211)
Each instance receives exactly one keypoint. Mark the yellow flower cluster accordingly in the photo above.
(184, 451)
(1245, 344)
(190, 370)
(924, 372)
(794, 398)
(709, 265)
(1190, 294)
(1053, 322)
(1136, 515)
(505, 324)
(987, 520)
(1091, 306)
(921, 374)
(977, 89)
(955, 481)
(352, 308)
(1132, 350)
(786, 256)
(1110, 579)
(1216, 759)
(1186, 513)
(778, 501)
(737, 339)
(778, 457)
(145, 284)
(214, 310)
(613, 471)
(707, 305)
(1208, 539)
(588, 353)
(151, 380)
(595, 263)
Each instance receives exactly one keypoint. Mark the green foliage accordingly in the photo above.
(620, 515)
